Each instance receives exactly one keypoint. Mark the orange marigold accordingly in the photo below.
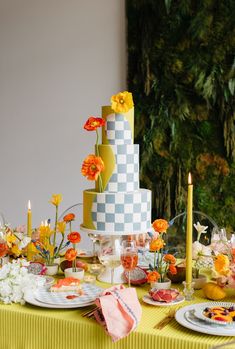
(3, 249)
(160, 225)
(221, 264)
(92, 167)
(93, 123)
(74, 237)
(172, 269)
(69, 217)
(153, 276)
(156, 244)
(71, 254)
(169, 258)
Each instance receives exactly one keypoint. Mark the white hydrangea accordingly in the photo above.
(15, 280)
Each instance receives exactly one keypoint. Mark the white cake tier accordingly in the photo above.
(121, 162)
(119, 213)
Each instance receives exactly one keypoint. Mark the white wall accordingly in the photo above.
(60, 60)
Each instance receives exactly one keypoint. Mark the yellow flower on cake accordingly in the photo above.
(122, 102)
(56, 199)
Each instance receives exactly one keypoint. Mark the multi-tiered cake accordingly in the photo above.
(122, 208)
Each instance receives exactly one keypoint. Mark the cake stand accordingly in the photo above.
(105, 275)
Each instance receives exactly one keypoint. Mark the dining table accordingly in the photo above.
(29, 326)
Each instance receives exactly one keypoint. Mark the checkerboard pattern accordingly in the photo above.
(91, 292)
(122, 212)
(118, 130)
(125, 177)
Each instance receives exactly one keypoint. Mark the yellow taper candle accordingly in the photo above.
(29, 220)
(189, 232)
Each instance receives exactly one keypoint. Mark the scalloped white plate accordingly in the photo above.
(185, 317)
(199, 312)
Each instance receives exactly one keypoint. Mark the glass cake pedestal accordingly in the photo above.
(109, 255)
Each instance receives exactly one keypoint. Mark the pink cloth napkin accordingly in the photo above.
(119, 311)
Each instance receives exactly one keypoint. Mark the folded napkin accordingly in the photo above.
(119, 311)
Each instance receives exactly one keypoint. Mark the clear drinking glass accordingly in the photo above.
(109, 253)
(129, 257)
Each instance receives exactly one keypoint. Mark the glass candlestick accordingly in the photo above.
(188, 290)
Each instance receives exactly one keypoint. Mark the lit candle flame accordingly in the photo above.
(29, 205)
(189, 178)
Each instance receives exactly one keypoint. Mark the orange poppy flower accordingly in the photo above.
(74, 237)
(169, 258)
(93, 123)
(153, 276)
(160, 225)
(92, 167)
(172, 269)
(71, 254)
(69, 217)
(156, 244)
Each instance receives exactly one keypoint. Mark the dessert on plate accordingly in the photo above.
(67, 284)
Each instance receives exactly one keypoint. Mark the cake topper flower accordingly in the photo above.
(122, 102)
(92, 167)
(93, 164)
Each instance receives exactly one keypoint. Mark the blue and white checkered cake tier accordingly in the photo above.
(118, 130)
(121, 213)
(125, 174)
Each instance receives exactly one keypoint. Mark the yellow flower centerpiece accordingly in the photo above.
(46, 243)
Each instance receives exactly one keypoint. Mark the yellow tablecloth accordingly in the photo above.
(31, 327)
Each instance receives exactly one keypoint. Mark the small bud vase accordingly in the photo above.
(78, 274)
(165, 285)
(52, 269)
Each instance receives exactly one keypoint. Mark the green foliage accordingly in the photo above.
(181, 71)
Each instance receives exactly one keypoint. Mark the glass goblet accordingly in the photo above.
(129, 257)
(109, 254)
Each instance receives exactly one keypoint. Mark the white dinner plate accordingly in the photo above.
(185, 317)
(30, 298)
(91, 292)
(147, 299)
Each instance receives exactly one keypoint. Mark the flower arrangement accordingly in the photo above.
(93, 164)
(46, 243)
(202, 255)
(15, 280)
(224, 270)
(71, 253)
(13, 242)
(163, 262)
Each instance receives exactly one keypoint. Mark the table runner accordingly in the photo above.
(31, 327)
